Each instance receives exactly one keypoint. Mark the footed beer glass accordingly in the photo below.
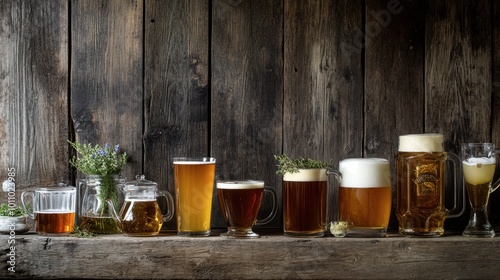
(478, 162)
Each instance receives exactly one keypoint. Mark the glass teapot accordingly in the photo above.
(140, 214)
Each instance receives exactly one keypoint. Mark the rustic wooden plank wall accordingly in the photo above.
(242, 80)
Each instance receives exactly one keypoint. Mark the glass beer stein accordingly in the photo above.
(420, 185)
(364, 196)
(479, 162)
(305, 203)
(140, 214)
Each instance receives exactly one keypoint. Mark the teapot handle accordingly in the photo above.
(170, 206)
(25, 203)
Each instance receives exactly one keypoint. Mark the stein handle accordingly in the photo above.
(457, 168)
(23, 197)
(273, 210)
(333, 208)
(170, 206)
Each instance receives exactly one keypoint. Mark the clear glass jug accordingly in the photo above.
(94, 213)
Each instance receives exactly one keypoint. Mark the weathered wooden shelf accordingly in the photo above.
(273, 256)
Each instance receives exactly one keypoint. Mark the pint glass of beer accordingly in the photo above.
(479, 162)
(420, 185)
(365, 196)
(194, 184)
(53, 209)
(240, 203)
(304, 203)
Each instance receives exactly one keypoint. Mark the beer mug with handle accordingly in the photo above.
(420, 185)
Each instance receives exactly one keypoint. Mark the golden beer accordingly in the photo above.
(420, 185)
(478, 179)
(366, 207)
(194, 183)
(365, 196)
(478, 164)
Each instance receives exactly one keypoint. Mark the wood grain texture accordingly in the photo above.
(106, 76)
(323, 89)
(269, 257)
(247, 99)
(305, 78)
(458, 71)
(33, 91)
(323, 82)
(394, 92)
(176, 82)
(458, 77)
(394, 63)
(495, 104)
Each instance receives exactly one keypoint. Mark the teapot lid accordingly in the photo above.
(140, 182)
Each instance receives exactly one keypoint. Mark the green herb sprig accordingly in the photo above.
(95, 160)
(288, 165)
(15, 211)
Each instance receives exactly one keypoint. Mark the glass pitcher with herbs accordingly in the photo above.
(102, 168)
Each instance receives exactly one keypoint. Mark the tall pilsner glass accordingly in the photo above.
(194, 185)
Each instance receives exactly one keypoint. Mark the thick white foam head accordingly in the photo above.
(427, 142)
(306, 175)
(479, 160)
(240, 185)
(365, 173)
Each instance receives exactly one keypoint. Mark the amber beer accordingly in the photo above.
(140, 217)
(48, 223)
(365, 196)
(420, 185)
(240, 203)
(194, 183)
(53, 209)
(304, 203)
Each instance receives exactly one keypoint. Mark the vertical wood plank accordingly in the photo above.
(495, 104)
(323, 88)
(106, 75)
(323, 81)
(394, 63)
(458, 75)
(247, 87)
(176, 86)
(33, 91)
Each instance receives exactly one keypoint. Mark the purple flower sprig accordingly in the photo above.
(96, 160)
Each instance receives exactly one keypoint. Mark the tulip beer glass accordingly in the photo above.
(304, 203)
(53, 209)
(194, 184)
(240, 203)
(420, 185)
(365, 196)
(478, 162)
